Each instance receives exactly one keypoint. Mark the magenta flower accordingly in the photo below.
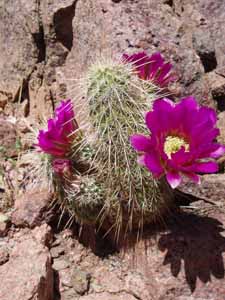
(62, 166)
(151, 67)
(57, 139)
(181, 141)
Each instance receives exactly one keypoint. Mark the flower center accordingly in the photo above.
(173, 144)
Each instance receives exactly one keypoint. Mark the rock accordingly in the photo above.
(204, 46)
(69, 295)
(221, 138)
(60, 44)
(8, 138)
(111, 283)
(4, 255)
(221, 126)
(3, 100)
(60, 264)
(28, 273)
(55, 42)
(108, 296)
(168, 266)
(80, 281)
(57, 251)
(4, 224)
(216, 83)
(44, 235)
(25, 38)
(65, 279)
(32, 208)
(211, 189)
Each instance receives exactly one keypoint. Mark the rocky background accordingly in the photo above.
(44, 46)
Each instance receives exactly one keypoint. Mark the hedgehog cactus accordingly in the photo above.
(117, 100)
(84, 199)
(94, 168)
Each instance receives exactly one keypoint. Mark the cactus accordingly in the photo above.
(84, 198)
(117, 100)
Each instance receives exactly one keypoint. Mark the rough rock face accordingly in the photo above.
(44, 45)
(27, 273)
(185, 260)
(212, 188)
(32, 208)
(52, 42)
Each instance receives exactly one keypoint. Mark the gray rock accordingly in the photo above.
(4, 224)
(4, 255)
(57, 251)
(60, 264)
(204, 45)
(80, 280)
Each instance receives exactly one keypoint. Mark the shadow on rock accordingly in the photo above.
(198, 242)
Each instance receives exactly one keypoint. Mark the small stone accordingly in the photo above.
(44, 235)
(69, 295)
(65, 278)
(80, 281)
(60, 264)
(4, 255)
(57, 251)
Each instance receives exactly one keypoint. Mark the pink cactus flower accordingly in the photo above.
(151, 67)
(57, 139)
(181, 141)
(62, 166)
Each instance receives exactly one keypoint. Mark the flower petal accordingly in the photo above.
(152, 162)
(140, 142)
(203, 167)
(163, 104)
(173, 178)
(150, 67)
(219, 152)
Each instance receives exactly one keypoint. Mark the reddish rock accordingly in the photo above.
(32, 208)
(44, 235)
(57, 41)
(28, 274)
(166, 267)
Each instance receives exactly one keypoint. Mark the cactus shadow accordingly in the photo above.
(197, 243)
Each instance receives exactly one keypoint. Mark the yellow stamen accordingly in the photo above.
(173, 144)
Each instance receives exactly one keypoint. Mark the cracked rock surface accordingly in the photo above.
(44, 45)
